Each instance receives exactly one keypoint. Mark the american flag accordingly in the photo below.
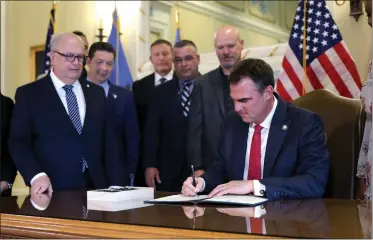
(51, 29)
(329, 64)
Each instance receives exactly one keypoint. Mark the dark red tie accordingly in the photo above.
(256, 225)
(255, 168)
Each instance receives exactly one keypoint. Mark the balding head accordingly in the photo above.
(227, 31)
(67, 55)
(228, 47)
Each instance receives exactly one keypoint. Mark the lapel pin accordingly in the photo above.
(284, 127)
(87, 85)
(115, 96)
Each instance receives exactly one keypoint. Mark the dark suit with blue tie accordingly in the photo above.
(43, 138)
(296, 163)
(124, 117)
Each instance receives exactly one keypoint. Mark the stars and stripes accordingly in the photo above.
(51, 30)
(329, 65)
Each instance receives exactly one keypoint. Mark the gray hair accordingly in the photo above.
(56, 38)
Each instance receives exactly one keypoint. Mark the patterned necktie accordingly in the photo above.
(162, 80)
(84, 212)
(255, 169)
(73, 108)
(185, 97)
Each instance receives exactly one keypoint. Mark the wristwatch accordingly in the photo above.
(9, 186)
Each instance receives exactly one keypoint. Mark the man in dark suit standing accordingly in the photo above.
(161, 58)
(60, 138)
(211, 101)
(86, 46)
(268, 147)
(122, 110)
(8, 170)
(164, 141)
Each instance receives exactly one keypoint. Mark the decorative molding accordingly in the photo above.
(236, 5)
(241, 20)
(165, 5)
(160, 23)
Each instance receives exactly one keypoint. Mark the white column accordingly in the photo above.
(143, 38)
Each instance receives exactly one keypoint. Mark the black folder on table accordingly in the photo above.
(239, 200)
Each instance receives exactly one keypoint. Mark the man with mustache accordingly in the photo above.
(211, 101)
(121, 106)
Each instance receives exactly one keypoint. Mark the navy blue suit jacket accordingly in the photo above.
(296, 161)
(123, 116)
(43, 138)
(165, 137)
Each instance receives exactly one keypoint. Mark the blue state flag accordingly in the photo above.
(177, 36)
(121, 75)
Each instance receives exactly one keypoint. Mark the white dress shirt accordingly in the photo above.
(168, 77)
(266, 124)
(77, 89)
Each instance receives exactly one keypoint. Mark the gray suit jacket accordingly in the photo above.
(205, 121)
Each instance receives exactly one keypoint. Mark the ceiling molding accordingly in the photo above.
(238, 18)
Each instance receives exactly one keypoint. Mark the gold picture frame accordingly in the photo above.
(36, 60)
(265, 10)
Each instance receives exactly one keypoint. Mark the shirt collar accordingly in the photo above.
(103, 84)
(267, 122)
(58, 84)
(168, 77)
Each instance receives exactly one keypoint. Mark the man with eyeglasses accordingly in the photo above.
(84, 71)
(101, 58)
(165, 130)
(59, 137)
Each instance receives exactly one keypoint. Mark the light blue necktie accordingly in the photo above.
(72, 106)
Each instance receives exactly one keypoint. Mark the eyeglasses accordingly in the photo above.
(187, 59)
(71, 57)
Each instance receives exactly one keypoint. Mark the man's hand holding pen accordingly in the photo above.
(192, 212)
(191, 190)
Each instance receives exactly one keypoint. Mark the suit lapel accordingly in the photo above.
(216, 81)
(177, 98)
(240, 143)
(114, 99)
(89, 103)
(279, 127)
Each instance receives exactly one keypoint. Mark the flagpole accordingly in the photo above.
(177, 18)
(117, 46)
(54, 6)
(304, 48)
